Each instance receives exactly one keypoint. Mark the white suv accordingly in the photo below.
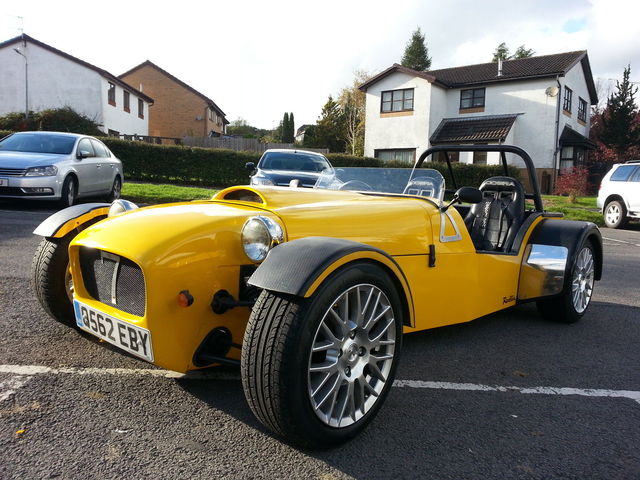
(619, 195)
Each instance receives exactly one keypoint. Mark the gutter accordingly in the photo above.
(556, 147)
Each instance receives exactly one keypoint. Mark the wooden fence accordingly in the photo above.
(242, 144)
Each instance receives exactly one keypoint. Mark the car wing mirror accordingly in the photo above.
(81, 155)
(250, 166)
(465, 195)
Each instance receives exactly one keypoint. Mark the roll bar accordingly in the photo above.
(502, 149)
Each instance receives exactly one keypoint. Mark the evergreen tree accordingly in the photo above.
(501, 53)
(522, 52)
(292, 129)
(329, 130)
(620, 129)
(284, 128)
(416, 53)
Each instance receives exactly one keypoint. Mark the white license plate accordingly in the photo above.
(4, 182)
(128, 337)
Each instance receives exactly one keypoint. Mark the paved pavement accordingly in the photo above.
(506, 396)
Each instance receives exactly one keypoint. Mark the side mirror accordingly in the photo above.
(469, 195)
(250, 166)
(81, 155)
(466, 195)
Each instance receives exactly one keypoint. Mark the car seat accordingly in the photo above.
(494, 222)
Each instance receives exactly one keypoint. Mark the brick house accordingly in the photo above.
(179, 110)
(56, 79)
(540, 104)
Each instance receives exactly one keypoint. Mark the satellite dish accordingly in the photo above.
(551, 91)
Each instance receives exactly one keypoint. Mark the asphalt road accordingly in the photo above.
(467, 403)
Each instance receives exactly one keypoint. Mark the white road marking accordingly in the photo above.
(621, 241)
(584, 392)
(24, 372)
(10, 386)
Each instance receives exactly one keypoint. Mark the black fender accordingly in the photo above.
(61, 223)
(570, 234)
(299, 267)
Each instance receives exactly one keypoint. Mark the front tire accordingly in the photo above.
(69, 192)
(615, 214)
(576, 296)
(317, 370)
(52, 280)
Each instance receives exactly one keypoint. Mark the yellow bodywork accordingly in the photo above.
(196, 246)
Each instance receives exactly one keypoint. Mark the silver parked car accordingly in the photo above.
(619, 194)
(58, 166)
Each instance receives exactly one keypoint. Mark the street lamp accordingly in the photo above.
(26, 83)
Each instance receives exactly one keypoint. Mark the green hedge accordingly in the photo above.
(220, 168)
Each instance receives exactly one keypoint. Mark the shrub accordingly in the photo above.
(54, 120)
(573, 183)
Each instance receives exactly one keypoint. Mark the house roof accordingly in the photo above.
(486, 128)
(104, 73)
(571, 138)
(149, 63)
(542, 66)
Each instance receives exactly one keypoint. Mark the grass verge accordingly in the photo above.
(151, 193)
(584, 208)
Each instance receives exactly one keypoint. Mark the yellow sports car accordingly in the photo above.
(309, 290)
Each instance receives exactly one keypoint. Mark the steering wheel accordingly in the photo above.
(355, 185)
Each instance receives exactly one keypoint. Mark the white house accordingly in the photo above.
(540, 104)
(55, 79)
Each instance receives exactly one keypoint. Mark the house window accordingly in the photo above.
(568, 96)
(212, 115)
(126, 101)
(480, 158)
(397, 100)
(454, 157)
(582, 110)
(140, 108)
(404, 155)
(111, 94)
(472, 98)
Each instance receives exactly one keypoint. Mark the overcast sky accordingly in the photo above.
(258, 59)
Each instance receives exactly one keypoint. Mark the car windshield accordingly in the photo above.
(423, 182)
(38, 143)
(295, 161)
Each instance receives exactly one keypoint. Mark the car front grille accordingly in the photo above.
(113, 280)
(12, 172)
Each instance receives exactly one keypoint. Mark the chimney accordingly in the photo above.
(499, 67)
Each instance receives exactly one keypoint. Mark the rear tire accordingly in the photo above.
(52, 279)
(615, 214)
(116, 189)
(311, 371)
(572, 303)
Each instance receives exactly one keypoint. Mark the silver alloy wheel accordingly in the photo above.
(612, 214)
(352, 355)
(117, 189)
(582, 281)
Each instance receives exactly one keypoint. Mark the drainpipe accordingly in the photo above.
(556, 146)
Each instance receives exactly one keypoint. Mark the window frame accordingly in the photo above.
(473, 98)
(567, 101)
(392, 101)
(394, 151)
(111, 94)
(126, 101)
(582, 109)
(140, 108)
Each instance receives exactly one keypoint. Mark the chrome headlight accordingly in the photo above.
(47, 171)
(259, 235)
(261, 181)
(120, 206)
